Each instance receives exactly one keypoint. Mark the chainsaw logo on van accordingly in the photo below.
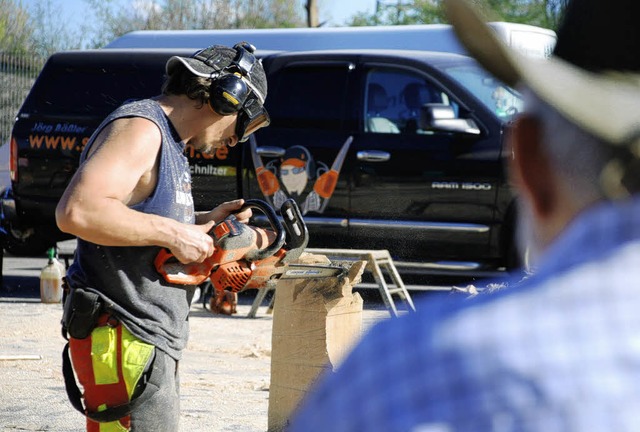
(289, 176)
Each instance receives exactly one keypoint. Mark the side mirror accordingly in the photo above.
(442, 118)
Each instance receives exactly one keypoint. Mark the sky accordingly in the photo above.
(342, 10)
(335, 12)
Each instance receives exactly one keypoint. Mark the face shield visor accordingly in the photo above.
(251, 117)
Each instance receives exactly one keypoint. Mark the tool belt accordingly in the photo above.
(112, 365)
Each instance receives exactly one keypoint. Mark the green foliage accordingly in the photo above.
(401, 13)
(16, 31)
(39, 31)
(44, 31)
(51, 33)
(191, 15)
(543, 13)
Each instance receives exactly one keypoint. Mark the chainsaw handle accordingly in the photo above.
(175, 272)
(275, 223)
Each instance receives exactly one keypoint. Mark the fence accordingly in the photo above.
(17, 74)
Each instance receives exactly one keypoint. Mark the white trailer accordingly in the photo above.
(532, 40)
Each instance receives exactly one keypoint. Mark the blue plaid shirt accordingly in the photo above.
(559, 351)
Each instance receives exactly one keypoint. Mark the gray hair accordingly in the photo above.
(577, 156)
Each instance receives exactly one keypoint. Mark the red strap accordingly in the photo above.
(96, 395)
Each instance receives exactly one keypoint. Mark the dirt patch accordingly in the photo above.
(224, 373)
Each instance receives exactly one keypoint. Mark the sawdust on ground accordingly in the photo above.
(224, 373)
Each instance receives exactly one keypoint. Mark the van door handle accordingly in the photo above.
(373, 156)
(267, 151)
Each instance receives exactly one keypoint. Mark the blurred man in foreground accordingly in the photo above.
(561, 350)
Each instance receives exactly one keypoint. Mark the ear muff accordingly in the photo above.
(228, 94)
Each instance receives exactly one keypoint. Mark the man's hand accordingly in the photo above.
(219, 213)
(193, 243)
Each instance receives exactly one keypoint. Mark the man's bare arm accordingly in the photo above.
(121, 171)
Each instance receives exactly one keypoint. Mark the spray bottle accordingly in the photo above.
(51, 279)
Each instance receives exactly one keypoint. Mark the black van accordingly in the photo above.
(382, 149)
(69, 99)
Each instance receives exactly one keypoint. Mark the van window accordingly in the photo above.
(309, 97)
(393, 98)
(94, 92)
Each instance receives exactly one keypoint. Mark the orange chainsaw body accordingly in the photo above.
(245, 256)
(227, 267)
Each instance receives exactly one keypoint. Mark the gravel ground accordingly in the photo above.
(224, 372)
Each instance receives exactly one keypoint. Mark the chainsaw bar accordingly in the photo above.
(311, 271)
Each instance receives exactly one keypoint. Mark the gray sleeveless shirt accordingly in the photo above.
(153, 310)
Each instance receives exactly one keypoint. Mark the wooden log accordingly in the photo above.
(315, 323)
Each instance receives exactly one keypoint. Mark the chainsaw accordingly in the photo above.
(249, 257)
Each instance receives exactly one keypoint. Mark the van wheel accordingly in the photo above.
(21, 241)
